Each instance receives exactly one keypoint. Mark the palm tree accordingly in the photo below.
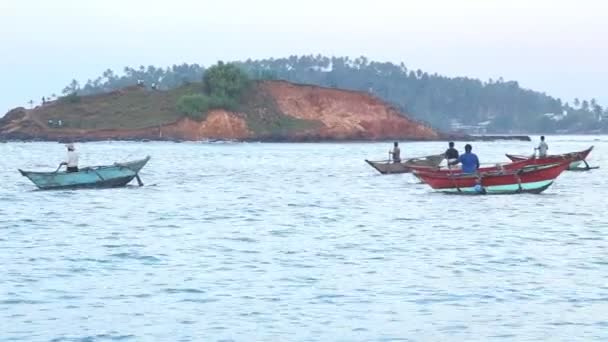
(108, 74)
(597, 110)
(75, 86)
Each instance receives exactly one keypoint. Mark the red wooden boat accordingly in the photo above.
(575, 158)
(528, 179)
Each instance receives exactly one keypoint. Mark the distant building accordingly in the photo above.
(479, 128)
(556, 117)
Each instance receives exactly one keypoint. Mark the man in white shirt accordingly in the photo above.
(542, 147)
(72, 160)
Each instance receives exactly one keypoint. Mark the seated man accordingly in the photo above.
(451, 154)
(468, 160)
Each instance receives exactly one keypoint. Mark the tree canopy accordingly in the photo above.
(223, 86)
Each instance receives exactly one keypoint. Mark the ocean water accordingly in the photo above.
(298, 242)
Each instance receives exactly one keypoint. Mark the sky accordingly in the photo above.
(557, 47)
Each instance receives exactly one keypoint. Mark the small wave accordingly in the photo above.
(201, 301)
(21, 301)
(185, 290)
(111, 337)
(136, 256)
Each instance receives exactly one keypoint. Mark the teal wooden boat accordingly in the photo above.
(110, 176)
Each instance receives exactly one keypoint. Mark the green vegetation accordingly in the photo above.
(225, 80)
(433, 98)
(128, 108)
(71, 98)
(224, 85)
(194, 105)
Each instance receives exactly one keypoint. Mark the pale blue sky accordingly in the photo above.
(559, 47)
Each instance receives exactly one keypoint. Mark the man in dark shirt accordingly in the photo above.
(451, 153)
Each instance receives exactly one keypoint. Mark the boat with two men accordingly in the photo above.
(512, 180)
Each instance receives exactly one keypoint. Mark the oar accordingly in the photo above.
(139, 182)
(59, 167)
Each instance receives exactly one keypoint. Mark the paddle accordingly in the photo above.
(58, 167)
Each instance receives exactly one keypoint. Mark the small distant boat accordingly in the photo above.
(529, 179)
(116, 175)
(575, 158)
(388, 167)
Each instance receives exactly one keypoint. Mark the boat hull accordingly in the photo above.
(387, 167)
(116, 175)
(529, 179)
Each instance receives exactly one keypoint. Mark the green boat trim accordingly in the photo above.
(532, 187)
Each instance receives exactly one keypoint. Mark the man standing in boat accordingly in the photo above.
(72, 160)
(469, 160)
(396, 153)
(451, 154)
(542, 147)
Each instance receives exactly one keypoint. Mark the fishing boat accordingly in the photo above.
(575, 158)
(388, 167)
(109, 176)
(528, 179)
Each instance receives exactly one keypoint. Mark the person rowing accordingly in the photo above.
(72, 159)
(396, 153)
(468, 160)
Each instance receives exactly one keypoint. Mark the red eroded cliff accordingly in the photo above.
(345, 114)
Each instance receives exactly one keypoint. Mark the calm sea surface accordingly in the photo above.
(298, 242)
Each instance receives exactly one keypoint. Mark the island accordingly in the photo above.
(225, 106)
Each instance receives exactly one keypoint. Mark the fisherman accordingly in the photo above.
(469, 160)
(542, 147)
(396, 153)
(451, 154)
(72, 160)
